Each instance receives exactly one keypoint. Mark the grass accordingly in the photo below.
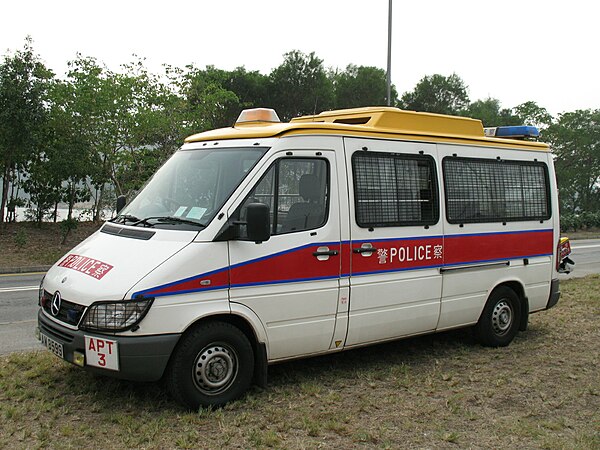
(440, 391)
(24, 244)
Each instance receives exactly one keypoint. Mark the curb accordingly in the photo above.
(17, 270)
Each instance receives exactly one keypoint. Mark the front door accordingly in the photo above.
(291, 281)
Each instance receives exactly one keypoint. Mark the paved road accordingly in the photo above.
(18, 311)
(586, 255)
(18, 298)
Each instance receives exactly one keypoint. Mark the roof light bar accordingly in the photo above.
(513, 132)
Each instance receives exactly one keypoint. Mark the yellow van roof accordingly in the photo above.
(384, 122)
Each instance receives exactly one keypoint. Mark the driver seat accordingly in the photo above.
(310, 213)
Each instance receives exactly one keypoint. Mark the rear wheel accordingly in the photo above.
(212, 365)
(499, 321)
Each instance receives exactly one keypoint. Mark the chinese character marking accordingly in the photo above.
(382, 255)
(437, 251)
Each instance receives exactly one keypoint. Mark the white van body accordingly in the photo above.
(401, 233)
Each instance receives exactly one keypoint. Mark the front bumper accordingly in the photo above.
(141, 358)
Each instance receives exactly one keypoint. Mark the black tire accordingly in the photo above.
(500, 319)
(212, 365)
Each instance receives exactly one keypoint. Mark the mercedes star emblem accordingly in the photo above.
(55, 305)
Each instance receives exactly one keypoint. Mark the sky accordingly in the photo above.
(515, 51)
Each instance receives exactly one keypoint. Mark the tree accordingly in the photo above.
(23, 87)
(130, 122)
(43, 183)
(438, 94)
(362, 86)
(152, 126)
(300, 86)
(67, 147)
(491, 114)
(534, 115)
(251, 87)
(575, 139)
(210, 102)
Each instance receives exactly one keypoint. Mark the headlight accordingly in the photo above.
(41, 291)
(115, 316)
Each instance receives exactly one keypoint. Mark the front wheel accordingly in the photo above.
(212, 365)
(499, 321)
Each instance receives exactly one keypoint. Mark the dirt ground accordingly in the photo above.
(441, 391)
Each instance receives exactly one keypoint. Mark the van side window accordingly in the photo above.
(394, 189)
(297, 192)
(490, 190)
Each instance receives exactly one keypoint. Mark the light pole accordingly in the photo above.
(389, 56)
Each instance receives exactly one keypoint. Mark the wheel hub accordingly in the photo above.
(215, 368)
(502, 317)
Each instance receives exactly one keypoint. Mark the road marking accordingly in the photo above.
(24, 274)
(584, 246)
(18, 322)
(19, 288)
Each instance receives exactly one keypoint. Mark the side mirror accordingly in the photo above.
(258, 222)
(121, 201)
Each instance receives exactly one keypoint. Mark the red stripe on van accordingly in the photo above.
(209, 281)
(388, 255)
(407, 254)
(296, 265)
(486, 247)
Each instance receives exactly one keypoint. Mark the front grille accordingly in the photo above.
(69, 312)
(55, 333)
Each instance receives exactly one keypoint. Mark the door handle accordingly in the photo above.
(325, 253)
(364, 250)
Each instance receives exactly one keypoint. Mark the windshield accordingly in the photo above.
(191, 187)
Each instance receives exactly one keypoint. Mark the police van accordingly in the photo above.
(269, 241)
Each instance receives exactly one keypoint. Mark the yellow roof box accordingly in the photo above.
(388, 119)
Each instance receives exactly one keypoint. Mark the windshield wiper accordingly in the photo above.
(124, 219)
(167, 219)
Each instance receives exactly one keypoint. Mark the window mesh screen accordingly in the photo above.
(394, 190)
(483, 190)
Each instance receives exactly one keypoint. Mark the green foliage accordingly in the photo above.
(23, 95)
(210, 104)
(491, 114)
(438, 94)
(362, 86)
(251, 87)
(300, 86)
(66, 226)
(533, 114)
(98, 133)
(43, 184)
(21, 238)
(575, 139)
(584, 221)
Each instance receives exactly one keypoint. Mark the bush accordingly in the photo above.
(66, 226)
(576, 222)
(21, 238)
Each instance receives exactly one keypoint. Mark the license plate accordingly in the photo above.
(52, 345)
(103, 353)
